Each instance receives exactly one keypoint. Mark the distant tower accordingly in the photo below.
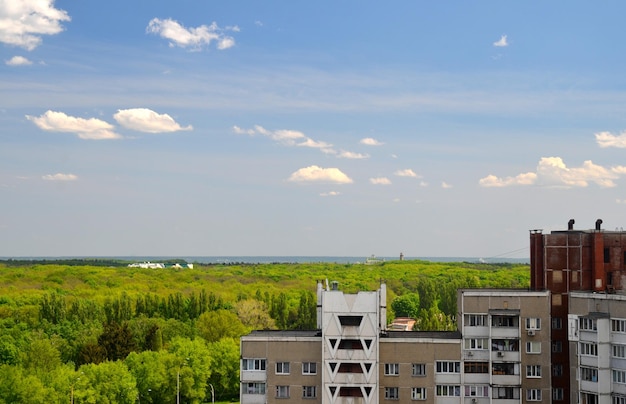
(401, 257)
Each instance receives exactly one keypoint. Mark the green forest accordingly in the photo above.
(98, 331)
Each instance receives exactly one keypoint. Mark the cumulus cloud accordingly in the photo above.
(368, 141)
(607, 139)
(287, 137)
(521, 179)
(501, 43)
(18, 61)
(146, 120)
(92, 128)
(445, 185)
(59, 177)
(191, 38)
(24, 22)
(351, 155)
(406, 173)
(319, 174)
(380, 181)
(331, 193)
(552, 171)
(315, 144)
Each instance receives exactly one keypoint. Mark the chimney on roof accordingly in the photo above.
(598, 223)
(570, 224)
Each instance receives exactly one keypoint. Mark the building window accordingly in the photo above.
(618, 351)
(476, 320)
(619, 376)
(448, 367)
(557, 276)
(282, 368)
(504, 321)
(618, 325)
(419, 369)
(309, 391)
(533, 323)
(476, 343)
(392, 369)
(476, 367)
(588, 348)
(607, 255)
(557, 394)
(309, 368)
(392, 393)
(533, 371)
(506, 369)
(588, 398)
(618, 399)
(557, 346)
(255, 388)
(418, 393)
(587, 324)
(253, 364)
(445, 390)
(557, 370)
(533, 395)
(589, 374)
(510, 345)
(481, 390)
(557, 323)
(557, 300)
(506, 393)
(282, 391)
(533, 347)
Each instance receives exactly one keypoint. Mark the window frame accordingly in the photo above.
(282, 391)
(282, 368)
(306, 368)
(392, 369)
(392, 393)
(418, 397)
(418, 369)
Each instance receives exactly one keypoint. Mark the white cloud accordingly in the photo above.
(501, 43)
(92, 128)
(380, 181)
(352, 155)
(191, 38)
(60, 177)
(241, 131)
(315, 144)
(331, 193)
(423, 184)
(319, 174)
(406, 173)
(18, 61)
(23, 22)
(552, 171)
(521, 179)
(368, 141)
(146, 120)
(607, 139)
(445, 185)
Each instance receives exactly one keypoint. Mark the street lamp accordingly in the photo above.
(178, 380)
(212, 394)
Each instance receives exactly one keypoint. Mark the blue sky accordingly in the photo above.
(288, 128)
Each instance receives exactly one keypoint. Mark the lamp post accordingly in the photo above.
(212, 394)
(178, 380)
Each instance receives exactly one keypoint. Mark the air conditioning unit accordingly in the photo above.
(500, 354)
(531, 333)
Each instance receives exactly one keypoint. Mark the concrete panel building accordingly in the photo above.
(497, 355)
(571, 260)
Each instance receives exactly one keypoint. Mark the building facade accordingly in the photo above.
(597, 347)
(571, 260)
(497, 355)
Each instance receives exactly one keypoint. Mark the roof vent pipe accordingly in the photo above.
(570, 224)
(598, 223)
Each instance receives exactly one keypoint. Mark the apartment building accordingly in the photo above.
(497, 355)
(597, 347)
(566, 261)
